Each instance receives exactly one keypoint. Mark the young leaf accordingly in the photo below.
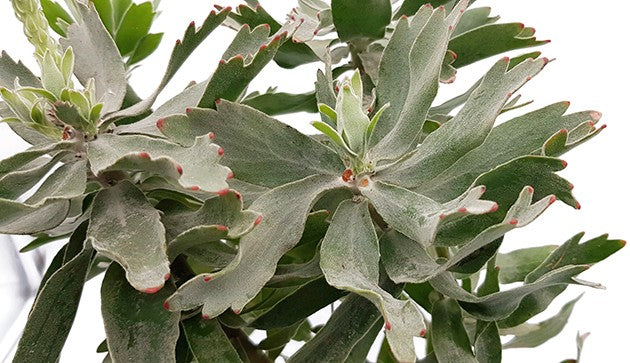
(517, 264)
(97, 57)
(138, 327)
(140, 247)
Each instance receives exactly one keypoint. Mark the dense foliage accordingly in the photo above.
(211, 219)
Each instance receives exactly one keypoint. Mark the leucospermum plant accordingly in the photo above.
(397, 208)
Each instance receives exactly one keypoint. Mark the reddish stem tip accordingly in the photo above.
(258, 220)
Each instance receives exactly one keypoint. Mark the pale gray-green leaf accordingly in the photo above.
(259, 251)
(350, 261)
(126, 228)
(97, 57)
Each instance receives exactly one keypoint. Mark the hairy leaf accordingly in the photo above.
(448, 335)
(208, 342)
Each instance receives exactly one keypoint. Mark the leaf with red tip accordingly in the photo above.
(199, 163)
(417, 216)
(259, 250)
(265, 161)
(564, 140)
(351, 230)
(467, 130)
(290, 55)
(192, 38)
(410, 88)
(218, 218)
(133, 335)
(489, 40)
(247, 41)
(232, 77)
(140, 247)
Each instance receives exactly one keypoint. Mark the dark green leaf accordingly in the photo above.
(281, 103)
(134, 26)
(356, 19)
(517, 264)
(208, 342)
(54, 12)
(145, 47)
(448, 335)
(55, 307)
(138, 327)
(487, 343)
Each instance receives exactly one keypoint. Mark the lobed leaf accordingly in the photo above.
(139, 247)
(258, 149)
(259, 251)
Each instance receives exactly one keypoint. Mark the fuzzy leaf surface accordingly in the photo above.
(208, 342)
(126, 228)
(138, 327)
(448, 335)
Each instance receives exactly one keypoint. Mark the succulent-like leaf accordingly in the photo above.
(97, 57)
(473, 19)
(193, 167)
(520, 136)
(259, 251)
(260, 150)
(474, 45)
(448, 335)
(539, 333)
(55, 307)
(138, 328)
(10, 71)
(140, 248)
(351, 230)
(18, 182)
(468, 129)
(208, 342)
(425, 57)
(417, 216)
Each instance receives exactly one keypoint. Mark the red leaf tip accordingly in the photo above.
(207, 278)
(462, 210)
(179, 168)
(160, 123)
(564, 163)
(403, 17)
(236, 311)
(578, 206)
(192, 24)
(530, 189)
(494, 208)
(217, 101)
(571, 186)
(153, 290)
(567, 103)
(603, 127)
(258, 220)
(166, 305)
(188, 110)
(506, 59)
(178, 42)
(144, 155)
(266, 26)
(220, 151)
(262, 47)
(514, 222)
(167, 276)
(388, 326)
(194, 188)
(423, 332)
(230, 175)
(347, 175)
(211, 135)
(223, 192)
(222, 228)
(552, 199)
(205, 316)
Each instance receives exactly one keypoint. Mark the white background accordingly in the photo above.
(589, 40)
